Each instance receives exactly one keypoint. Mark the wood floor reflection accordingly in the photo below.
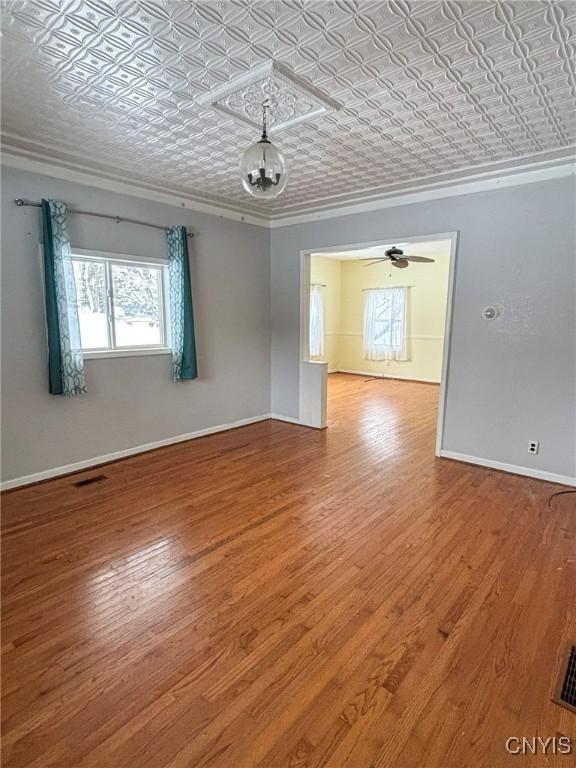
(277, 596)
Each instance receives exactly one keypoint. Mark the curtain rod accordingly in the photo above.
(319, 285)
(118, 219)
(382, 287)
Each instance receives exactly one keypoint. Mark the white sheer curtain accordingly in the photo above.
(385, 324)
(316, 321)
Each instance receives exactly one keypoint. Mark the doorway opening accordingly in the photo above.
(380, 311)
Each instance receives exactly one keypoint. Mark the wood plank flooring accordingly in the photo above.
(276, 596)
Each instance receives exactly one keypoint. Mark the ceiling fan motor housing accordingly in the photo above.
(394, 253)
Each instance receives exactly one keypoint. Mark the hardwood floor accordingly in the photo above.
(282, 597)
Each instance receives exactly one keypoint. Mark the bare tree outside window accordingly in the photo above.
(119, 304)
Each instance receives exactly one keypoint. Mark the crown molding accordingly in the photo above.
(546, 158)
(436, 188)
(41, 162)
(38, 159)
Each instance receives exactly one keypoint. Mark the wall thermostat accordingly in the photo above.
(490, 313)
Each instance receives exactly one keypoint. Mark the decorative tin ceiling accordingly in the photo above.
(425, 88)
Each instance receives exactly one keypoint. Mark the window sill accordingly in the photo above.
(143, 352)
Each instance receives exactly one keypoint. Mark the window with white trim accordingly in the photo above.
(122, 303)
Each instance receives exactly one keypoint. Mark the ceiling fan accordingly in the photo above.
(397, 258)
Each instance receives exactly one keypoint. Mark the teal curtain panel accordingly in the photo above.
(184, 365)
(65, 358)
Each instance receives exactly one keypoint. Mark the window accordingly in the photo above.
(121, 304)
(385, 324)
(316, 321)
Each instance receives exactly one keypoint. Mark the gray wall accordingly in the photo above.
(509, 381)
(131, 401)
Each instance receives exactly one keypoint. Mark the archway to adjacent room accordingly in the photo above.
(366, 318)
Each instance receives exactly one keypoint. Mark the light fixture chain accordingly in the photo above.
(265, 106)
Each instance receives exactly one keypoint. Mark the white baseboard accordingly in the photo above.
(514, 469)
(96, 460)
(289, 419)
(374, 375)
(77, 466)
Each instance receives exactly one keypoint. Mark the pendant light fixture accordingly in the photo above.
(263, 168)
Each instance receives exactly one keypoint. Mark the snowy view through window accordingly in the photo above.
(134, 315)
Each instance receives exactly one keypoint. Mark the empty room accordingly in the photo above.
(288, 384)
(373, 318)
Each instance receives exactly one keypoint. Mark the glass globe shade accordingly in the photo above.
(263, 170)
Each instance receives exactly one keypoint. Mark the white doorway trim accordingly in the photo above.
(312, 386)
(447, 344)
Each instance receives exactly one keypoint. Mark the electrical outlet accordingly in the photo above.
(533, 446)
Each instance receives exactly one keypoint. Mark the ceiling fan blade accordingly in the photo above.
(373, 261)
(400, 263)
(374, 258)
(420, 259)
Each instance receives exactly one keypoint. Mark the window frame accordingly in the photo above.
(123, 260)
(388, 325)
(382, 350)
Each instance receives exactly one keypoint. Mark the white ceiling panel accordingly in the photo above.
(424, 89)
